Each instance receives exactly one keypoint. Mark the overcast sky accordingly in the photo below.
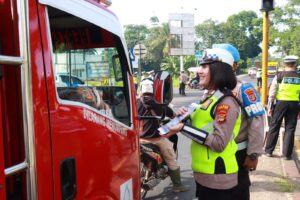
(140, 11)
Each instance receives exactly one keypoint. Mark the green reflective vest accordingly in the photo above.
(258, 74)
(203, 158)
(288, 89)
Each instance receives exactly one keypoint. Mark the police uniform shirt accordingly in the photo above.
(221, 137)
(252, 129)
(183, 78)
(274, 85)
(273, 89)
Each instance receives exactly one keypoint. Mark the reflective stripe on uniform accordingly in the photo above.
(242, 145)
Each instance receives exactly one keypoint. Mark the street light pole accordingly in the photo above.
(265, 57)
(267, 5)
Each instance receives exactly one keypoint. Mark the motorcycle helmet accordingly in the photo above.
(146, 86)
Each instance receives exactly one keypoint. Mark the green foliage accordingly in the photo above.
(286, 185)
(175, 81)
(171, 63)
(154, 20)
(135, 34)
(208, 33)
(189, 61)
(285, 29)
(243, 30)
(156, 43)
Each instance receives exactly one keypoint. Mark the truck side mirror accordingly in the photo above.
(163, 88)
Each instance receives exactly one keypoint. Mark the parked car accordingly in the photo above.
(64, 80)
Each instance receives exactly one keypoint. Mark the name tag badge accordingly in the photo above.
(206, 104)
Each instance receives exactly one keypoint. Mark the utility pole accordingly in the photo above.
(140, 52)
(265, 49)
(267, 5)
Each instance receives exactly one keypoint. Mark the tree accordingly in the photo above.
(157, 46)
(243, 30)
(208, 33)
(171, 64)
(154, 20)
(285, 30)
(135, 34)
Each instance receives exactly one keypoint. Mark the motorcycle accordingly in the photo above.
(194, 84)
(153, 167)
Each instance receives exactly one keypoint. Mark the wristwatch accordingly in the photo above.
(253, 156)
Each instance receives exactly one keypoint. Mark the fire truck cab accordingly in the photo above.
(66, 141)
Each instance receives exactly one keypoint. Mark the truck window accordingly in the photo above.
(90, 66)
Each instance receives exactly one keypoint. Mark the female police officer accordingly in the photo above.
(250, 138)
(214, 125)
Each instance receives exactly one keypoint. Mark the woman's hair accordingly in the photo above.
(222, 76)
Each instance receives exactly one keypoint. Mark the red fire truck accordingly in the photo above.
(68, 122)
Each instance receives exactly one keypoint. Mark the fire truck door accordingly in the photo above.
(2, 176)
(95, 152)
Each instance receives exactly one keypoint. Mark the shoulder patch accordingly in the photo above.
(249, 92)
(221, 113)
(206, 104)
(251, 101)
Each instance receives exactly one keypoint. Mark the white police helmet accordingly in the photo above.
(290, 59)
(217, 55)
(147, 86)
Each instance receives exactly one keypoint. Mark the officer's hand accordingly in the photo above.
(270, 113)
(175, 129)
(249, 164)
(181, 111)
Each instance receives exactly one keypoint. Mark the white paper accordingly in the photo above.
(166, 128)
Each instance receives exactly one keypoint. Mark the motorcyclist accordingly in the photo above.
(148, 107)
(195, 81)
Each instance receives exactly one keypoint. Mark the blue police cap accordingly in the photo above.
(234, 52)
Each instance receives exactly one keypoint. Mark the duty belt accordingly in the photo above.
(242, 145)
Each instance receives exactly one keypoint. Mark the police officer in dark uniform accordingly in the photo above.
(284, 103)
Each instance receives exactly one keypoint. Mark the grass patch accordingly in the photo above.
(175, 82)
(286, 186)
